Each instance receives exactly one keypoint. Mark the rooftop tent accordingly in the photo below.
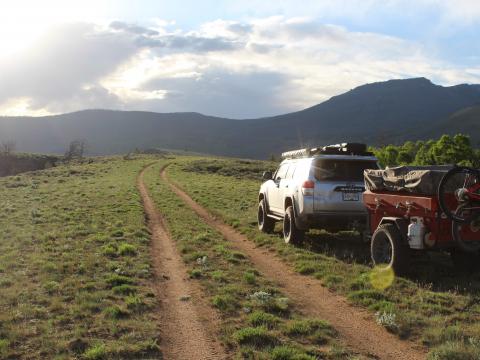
(414, 179)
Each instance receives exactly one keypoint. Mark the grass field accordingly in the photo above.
(74, 264)
(76, 272)
(435, 306)
(258, 321)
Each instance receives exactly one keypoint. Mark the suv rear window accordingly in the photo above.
(342, 170)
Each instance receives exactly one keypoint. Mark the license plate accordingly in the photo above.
(350, 196)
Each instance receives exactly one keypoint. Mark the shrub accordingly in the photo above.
(257, 337)
(51, 287)
(260, 318)
(115, 312)
(219, 275)
(96, 352)
(117, 233)
(249, 278)
(224, 302)
(116, 280)
(4, 344)
(289, 353)
(127, 249)
(318, 331)
(109, 250)
(124, 289)
(307, 327)
(454, 351)
(195, 273)
(134, 302)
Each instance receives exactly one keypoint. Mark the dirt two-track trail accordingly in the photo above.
(356, 327)
(187, 325)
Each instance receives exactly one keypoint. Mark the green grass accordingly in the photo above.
(434, 297)
(75, 271)
(75, 267)
(255, 314)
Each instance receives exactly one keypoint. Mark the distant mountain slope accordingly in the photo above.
(465, 121)
(385, 112)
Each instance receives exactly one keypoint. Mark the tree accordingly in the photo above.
(75, 150)
(465, 154)
(7, 147)
(404, 157)
(446, 150)
(424, 156)
(456, 150)
(387, 156)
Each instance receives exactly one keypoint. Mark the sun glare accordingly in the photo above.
(22, 22)
(20, 107)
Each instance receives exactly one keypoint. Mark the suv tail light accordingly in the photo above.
(307, 187)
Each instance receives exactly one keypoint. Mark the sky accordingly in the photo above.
(237, 59)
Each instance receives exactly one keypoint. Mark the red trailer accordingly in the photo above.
(405, 216)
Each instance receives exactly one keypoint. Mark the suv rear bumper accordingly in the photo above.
(335, 221)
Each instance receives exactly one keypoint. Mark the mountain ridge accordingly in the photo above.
(384, 112)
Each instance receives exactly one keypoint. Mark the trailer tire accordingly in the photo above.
(265, 223)
(465, 262)
(291, 234)
(388, 250)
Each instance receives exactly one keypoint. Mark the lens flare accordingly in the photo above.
(381, 278)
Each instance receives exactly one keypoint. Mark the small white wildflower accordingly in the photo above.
(261, 296)
(475, 342)
(386, 319)
(202, 261)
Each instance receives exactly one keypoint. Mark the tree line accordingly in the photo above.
(446, 150)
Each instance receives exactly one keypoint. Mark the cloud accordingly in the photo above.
(227, 91)
(64, 67)
(263, 66)
(200, 44)
(134, 29)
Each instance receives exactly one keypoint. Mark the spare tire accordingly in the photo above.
(388, 250)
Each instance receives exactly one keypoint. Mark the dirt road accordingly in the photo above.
(355, 326)
(187, 323)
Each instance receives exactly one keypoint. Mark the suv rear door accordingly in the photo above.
(339, 184)
(275, 190)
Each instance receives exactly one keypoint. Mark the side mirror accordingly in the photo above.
(267, 175)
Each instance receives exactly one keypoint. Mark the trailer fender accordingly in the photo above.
(400, 223)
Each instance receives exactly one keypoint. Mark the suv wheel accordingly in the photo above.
(291, 234)
(387, 249)
(265, 223)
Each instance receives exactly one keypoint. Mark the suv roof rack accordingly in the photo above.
(337, 149)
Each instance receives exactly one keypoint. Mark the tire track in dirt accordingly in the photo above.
(187, 325)
(356, 327)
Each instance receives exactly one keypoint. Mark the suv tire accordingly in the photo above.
(265, 223)
(388, 251)
(291, 234)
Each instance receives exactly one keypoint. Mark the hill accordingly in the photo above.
(384, 112)
(466, 121)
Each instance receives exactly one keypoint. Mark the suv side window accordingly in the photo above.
(300, 171)
(291, 170)
(281, 172)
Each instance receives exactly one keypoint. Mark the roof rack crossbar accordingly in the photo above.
(337, 149)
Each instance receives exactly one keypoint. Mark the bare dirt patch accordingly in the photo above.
(355, 326)
(187, 323)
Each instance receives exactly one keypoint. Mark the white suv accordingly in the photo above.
(316, 188)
